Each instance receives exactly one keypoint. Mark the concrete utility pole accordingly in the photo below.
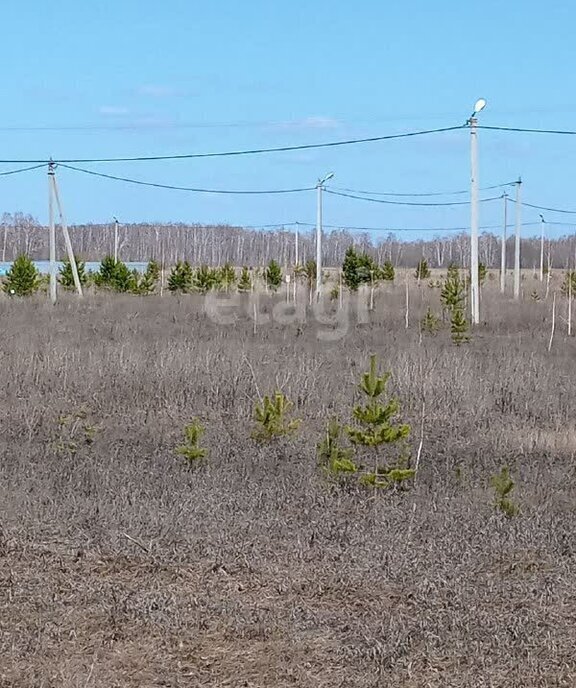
(503, 249)
(52, 232)
(64, 226)
(319, 189)
(517, 239)
(116, 223)
(475, 285)
(296, 246)
(542, 228)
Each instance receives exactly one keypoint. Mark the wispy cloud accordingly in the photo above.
(113, 110)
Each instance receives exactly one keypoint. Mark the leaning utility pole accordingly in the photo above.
(517, 239)
(503, 248)
(54, 195)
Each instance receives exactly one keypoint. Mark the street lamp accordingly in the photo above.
(319, 189)
(542, 228)
(475, 286)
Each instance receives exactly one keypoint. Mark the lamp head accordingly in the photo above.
(325, 179)
(479, 105)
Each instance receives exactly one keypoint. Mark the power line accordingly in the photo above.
(184, 188)
(410, 229)
(529, 131)
(411, 203)
(550, 210)
(253, 151)
(22, 169)
(421, 195)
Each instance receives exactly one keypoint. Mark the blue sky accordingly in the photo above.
(130, 78)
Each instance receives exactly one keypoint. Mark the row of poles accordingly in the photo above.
(54, 196)
(474, 227)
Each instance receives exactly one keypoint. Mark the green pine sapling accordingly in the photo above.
(375, 429)
(503, 485)
(271, 418)
(190, 449)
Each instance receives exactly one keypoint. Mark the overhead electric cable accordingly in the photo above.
(528, 131)
(421, 195)
(550, 210)
(253, 151)
(411, 203)
(184, 188)
(22, 169)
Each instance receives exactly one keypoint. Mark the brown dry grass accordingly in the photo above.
(119, 567)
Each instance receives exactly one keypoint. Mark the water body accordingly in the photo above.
(43, 266)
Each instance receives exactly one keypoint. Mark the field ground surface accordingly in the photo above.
(120, 566)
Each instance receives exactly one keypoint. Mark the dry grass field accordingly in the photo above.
(119, 566)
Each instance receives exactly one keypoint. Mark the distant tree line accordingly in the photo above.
(217, 245)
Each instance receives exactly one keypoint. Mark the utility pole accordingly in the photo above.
(542, 228)
(296, 246)
(67, 241)
(475, 285)
(52, 232)
(503, 248)
(517, 239)
(115, 240)
(319, 189)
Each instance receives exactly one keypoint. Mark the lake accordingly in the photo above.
(44, 266)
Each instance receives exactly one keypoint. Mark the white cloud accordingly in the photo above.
(113, 110)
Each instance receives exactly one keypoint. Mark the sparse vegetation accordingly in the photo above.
(284, 565)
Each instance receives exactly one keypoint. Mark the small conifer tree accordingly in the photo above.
(205, 279)
(124, 279)
(271, 417)
(350, 269)
(387, 272)
(273, 275)
(23, 278)
(244, 283)
(66, 276)
(422, 270)
(191, 450)
(482, 273)
(227, 276)
(430, 322)
(309, 272)
(334, 459)
(375, 429)
(452, 294)
(180, 278)
(105, 274)
(503, 485)
(459, 326)
(569, 284)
